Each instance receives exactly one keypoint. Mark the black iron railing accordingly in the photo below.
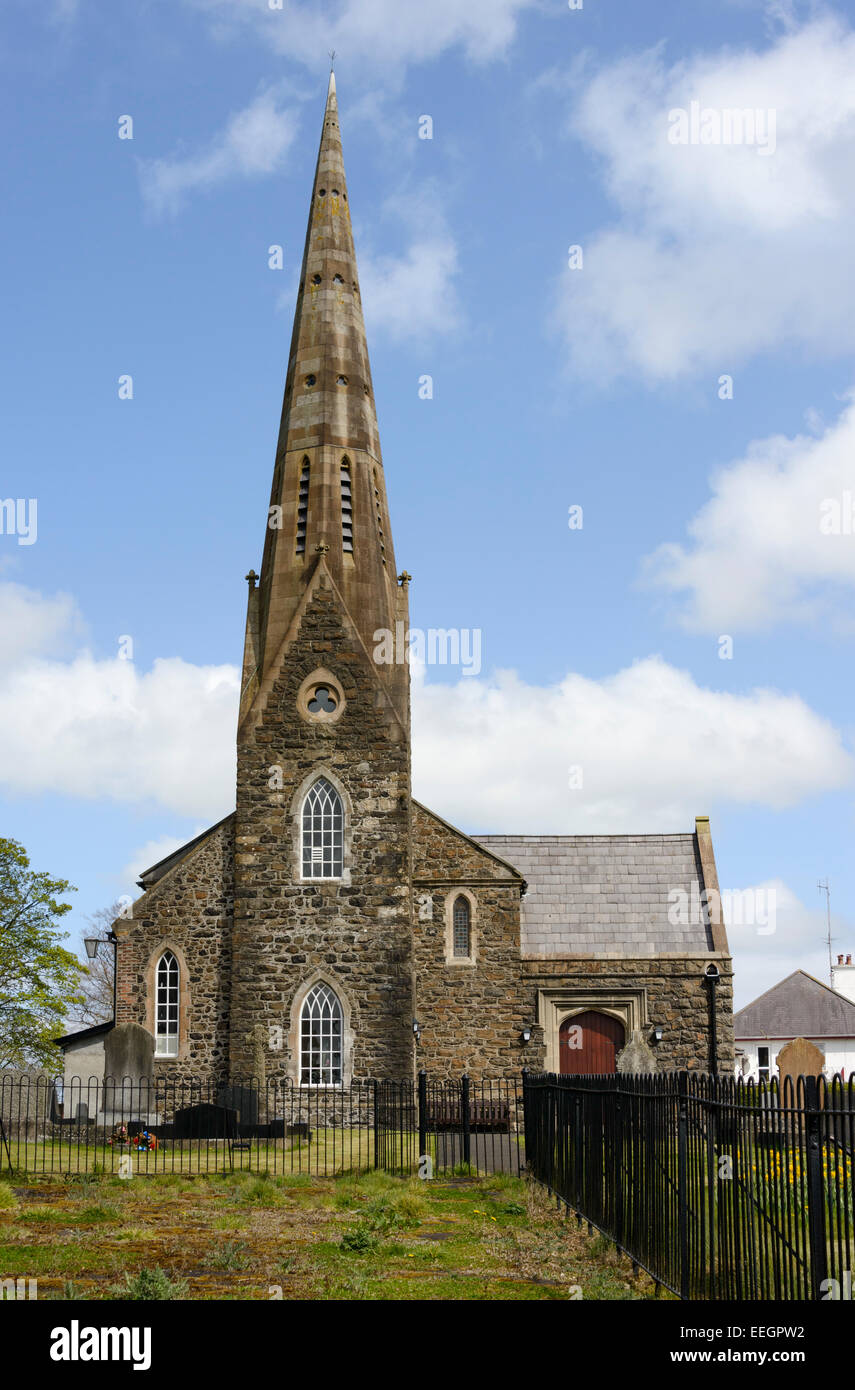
(720, 1189)
(173, 1125)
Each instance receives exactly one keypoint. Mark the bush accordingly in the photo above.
(360, 1240)
(150, 1285)
(230, 1255)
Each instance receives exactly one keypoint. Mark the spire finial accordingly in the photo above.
(332, 60)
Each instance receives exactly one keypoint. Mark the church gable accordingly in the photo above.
(441, 852)
(186, 912)
(321, 625)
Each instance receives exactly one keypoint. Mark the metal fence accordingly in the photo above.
(187, 1126)
(720, 1189)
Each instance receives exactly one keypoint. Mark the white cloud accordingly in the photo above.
(756, 554)
(797, 943)
(93, 728)
(31, 622)
(376, 33)
(254, 141)
(151, 853)
(490, 753)
(721, 252)
(412, 295)
(655, 750)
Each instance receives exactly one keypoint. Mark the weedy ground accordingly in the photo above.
(249, 1236)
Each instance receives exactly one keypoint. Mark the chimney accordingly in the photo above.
(843, 977)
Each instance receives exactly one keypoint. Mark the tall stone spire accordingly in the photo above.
(328, 502)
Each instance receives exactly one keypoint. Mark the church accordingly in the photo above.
(332, 926)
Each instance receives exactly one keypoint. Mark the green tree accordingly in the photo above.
(39, 979)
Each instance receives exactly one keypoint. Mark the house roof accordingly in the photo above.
(605, 894)
(799, 1006)
(83, 1033)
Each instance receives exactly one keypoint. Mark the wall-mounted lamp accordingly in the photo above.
(657, 1035)
(526, 1033)
(712, 975)
(92, 943)
(417, 1030)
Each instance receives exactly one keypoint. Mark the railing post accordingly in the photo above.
(816, 1206)
(422, 1115)
(464, 1106)
(376, 1124)
(683, 1180)
(528, 1122)
(619, 1166)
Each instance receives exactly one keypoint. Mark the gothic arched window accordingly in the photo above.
(323, 831)
(462, 925)
(166, 1014)
(320, 1038)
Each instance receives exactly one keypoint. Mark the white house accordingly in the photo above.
(799, 1007)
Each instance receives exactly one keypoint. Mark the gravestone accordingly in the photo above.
(128, 1073)
(257, 1039)
(637, 1058)
(129, 1052)
(243, 1099)
(800, 1058)
(205, 1121)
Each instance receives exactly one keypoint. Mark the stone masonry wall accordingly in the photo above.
(677, 1000)
(354, 933)
(191, 909)
(472, 1016)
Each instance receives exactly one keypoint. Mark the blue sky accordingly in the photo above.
(552, 387)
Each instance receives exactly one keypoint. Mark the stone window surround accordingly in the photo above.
(556, 1006)
(451, 898)
(295, 1032)
(168, 944)
(321, 770)
(320, 677)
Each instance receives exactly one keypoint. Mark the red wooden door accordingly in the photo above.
(588, 1044)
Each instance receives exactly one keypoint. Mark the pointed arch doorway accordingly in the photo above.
(588, 1044)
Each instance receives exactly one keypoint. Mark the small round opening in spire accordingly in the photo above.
(341, 381)
(316, 279)
(310, 380)
(322, 192)
(337, 280)
(335, 192)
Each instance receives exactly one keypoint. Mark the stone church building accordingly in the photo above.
(332, 927)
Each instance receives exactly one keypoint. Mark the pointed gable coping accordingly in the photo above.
(424, 871)
(149, 877)
(320, 575)
(797, 1006)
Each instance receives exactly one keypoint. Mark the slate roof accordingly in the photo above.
(604, 894)
(798, 1007)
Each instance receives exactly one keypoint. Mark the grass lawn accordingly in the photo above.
(245, 1236)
